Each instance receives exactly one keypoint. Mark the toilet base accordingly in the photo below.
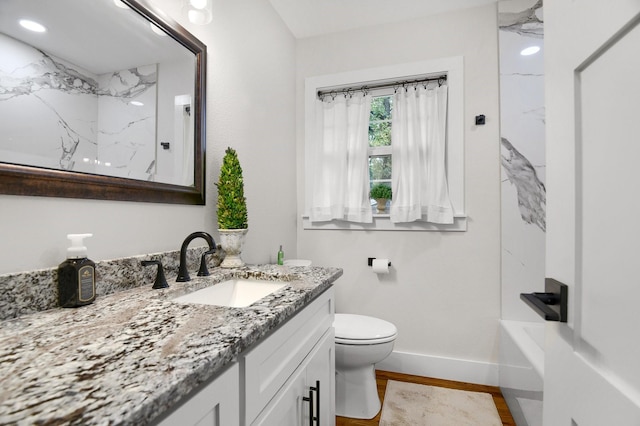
(357, 393)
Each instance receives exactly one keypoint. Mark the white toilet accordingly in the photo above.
(361, 342)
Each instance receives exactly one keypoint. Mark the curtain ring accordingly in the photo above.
(333, 94)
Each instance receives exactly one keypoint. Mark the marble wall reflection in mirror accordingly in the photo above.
(109, 88)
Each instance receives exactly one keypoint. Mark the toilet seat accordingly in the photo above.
(353, 329)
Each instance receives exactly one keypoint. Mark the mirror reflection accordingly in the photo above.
(94, 87)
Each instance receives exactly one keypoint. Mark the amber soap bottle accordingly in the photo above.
(76, 275)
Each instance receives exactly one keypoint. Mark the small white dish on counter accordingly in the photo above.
(234, 293)
(297, 262)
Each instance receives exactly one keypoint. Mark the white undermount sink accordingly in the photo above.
(235, 293)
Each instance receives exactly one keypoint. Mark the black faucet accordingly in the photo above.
(183, 274)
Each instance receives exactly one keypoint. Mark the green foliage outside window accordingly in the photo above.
(380, 167)
(380, 121)
(380, 136)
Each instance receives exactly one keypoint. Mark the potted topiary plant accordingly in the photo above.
(381, 193)
(232, 209)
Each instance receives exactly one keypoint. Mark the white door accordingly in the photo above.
(592, 74)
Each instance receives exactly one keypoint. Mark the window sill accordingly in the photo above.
(382, 222)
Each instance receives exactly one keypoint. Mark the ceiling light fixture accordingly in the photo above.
(530, 50)
(121, 4)
(32, 25)
(197, 11)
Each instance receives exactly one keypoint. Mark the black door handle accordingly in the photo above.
(552, 304)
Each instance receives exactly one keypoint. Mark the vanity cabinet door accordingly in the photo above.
(293, 403)
(321, 370)
(216, 404)
(288, 407)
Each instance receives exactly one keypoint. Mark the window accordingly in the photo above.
(380, 145)
(380, 142)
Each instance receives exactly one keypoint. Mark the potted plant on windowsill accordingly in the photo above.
(232, 209)
(381, 193)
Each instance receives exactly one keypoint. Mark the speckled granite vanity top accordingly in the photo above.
(131, 355)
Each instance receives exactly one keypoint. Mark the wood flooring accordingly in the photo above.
(383, 376)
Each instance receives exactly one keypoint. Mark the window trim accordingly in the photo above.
(454, 68)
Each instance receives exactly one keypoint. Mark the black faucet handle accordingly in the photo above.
(161, 281)
(203, 271)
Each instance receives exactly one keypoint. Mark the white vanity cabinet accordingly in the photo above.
(216, 404)
(281, 371)
(286, 379)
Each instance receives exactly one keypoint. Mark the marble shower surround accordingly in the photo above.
(522, 128)
(33, 291)
(85, 122)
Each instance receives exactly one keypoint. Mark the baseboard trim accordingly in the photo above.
(461, 370)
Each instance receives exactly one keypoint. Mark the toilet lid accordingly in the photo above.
(363, 330)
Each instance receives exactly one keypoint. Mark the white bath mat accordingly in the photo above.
(412, 404)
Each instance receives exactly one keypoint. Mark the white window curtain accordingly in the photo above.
(341, 163)
(418, 133)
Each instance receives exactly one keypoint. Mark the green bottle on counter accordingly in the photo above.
(280, 256)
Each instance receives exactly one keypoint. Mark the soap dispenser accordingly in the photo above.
(76, 275)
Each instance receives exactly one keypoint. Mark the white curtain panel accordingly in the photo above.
(341, 169)
(418, 133)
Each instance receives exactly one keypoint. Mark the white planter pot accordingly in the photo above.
(232, 241)
(381, 204)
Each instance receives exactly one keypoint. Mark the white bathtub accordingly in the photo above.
(521, 372)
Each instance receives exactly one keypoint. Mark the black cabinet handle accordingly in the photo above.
(310, 401)
(317, 391)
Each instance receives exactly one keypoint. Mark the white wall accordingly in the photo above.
(444, 290)
(250, 106)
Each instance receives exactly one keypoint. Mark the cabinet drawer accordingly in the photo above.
(268, 366)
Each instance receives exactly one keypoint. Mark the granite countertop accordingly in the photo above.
(130, 356)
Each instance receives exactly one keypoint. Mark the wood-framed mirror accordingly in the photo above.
(107, 103)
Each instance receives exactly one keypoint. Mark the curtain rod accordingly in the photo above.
(365, 87)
